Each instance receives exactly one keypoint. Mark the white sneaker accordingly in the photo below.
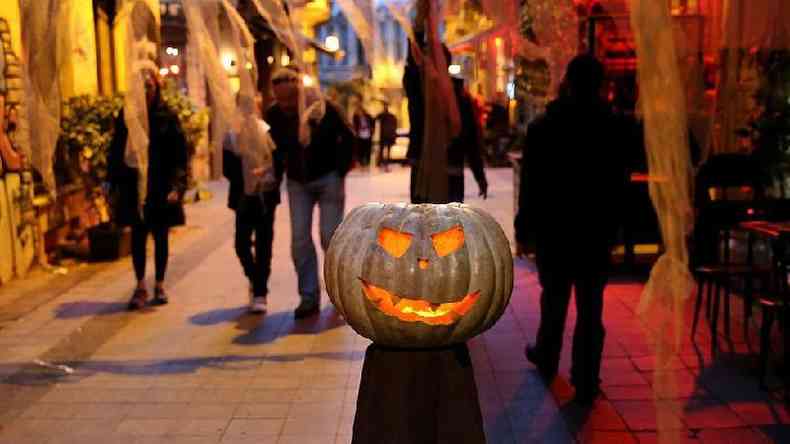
(258, 305)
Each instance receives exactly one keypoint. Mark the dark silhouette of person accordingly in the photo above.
(467, 146)
(162, 208)
(255, 207)
(572, 186)
(388, 133)
(363, 124)
(315, 176)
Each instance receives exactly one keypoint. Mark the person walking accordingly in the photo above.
(253, 195)
(388, 133)
(465, 147)
(363, 128)
(166, 185)
(315, 170)
(571, 193)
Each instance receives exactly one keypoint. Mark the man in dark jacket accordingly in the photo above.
(465, 147)
(572, 183)
(316, 175)
(255, 207)
(166, 185)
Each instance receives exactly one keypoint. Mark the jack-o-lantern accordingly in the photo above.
(419, 276)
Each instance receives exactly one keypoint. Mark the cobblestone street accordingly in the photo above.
(202, 370)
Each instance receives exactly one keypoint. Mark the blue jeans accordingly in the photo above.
(329, 193)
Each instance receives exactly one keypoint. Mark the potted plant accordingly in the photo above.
(87, 127)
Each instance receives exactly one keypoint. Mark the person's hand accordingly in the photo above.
(483, 189)
(172, 197)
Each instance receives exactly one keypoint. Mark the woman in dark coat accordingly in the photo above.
(166, 184)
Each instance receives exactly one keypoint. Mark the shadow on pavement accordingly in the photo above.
(82, 309)
(34, 375)
(263, 329)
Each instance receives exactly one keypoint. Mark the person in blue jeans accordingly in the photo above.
(315, 168)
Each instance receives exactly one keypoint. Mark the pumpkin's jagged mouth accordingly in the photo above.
(415, 310)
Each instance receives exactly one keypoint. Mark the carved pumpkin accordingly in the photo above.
(419, 275)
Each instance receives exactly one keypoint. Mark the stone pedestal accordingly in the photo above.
(423, 396)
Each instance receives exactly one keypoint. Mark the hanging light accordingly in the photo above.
(454, 69)
(175, 69)
(163, 71)
(227, 61)
(332, 43)
(308, 80)
(270, 60)
(285, 60)
(248, 65)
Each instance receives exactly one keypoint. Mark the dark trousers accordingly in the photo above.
(364, 147)
(253, 219)
(587, 274)
(385, 149)
(161, 235)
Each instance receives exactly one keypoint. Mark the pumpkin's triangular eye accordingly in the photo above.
(448, 242)
(395, 243)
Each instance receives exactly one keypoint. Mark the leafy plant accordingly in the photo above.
(194, 120)
(88, 124)
(86, 130)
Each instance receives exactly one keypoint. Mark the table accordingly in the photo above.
(778, 232)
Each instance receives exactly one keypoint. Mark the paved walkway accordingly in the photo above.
(203, 371)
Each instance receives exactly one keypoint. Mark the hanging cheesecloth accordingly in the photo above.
(142, 38)
(43, 22)
(748, 27)
(556, 27)
(362, 16)
(220, 34)
(442, 121)
(663, 105)
(312, 104)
